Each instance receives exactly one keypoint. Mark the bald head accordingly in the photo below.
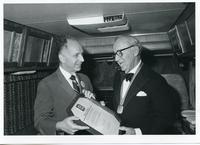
(127, 50)
(66, 43)
(128, 39)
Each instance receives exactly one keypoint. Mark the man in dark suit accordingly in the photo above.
(142, 97)
(56, 92)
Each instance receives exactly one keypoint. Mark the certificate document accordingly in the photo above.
(100, 119)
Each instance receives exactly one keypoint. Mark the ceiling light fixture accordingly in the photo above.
(86, 21)
(100, 24)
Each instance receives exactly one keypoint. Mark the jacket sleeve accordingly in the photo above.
(162, 108)
(44, 117)
(89, 84)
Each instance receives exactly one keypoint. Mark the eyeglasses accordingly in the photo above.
(119, 52)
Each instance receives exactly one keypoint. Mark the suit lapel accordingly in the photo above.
(119, 78)
(64, 83)
(138, 82)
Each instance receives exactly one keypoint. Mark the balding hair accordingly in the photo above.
(64, 43)
(129, 39)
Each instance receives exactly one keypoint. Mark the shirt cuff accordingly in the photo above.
(138, 131)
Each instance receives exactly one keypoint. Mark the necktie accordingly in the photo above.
(128, 76)
(75, 84)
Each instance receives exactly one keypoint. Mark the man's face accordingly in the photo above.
(72, 57)
(125, 58)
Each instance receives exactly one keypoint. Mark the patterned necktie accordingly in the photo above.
(129, 76)
(75, 84)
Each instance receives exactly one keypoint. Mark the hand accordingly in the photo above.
(103, 103)
(88, 94)
(68, 126)
(128, 130)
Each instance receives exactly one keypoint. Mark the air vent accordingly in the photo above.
(114, 18)
(114, 28)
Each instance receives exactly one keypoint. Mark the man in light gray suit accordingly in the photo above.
(56, 92)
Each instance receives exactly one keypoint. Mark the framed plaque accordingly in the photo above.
(100, 119)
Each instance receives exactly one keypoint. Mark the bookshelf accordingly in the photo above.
(19, 98)
(26, 47)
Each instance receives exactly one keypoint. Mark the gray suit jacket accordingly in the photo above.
(54, 95)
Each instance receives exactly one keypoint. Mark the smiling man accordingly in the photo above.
(142, 97)
(56, 92)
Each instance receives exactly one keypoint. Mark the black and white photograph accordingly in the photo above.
(104, 72)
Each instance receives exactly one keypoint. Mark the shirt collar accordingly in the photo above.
(66, 74)
(135, 68)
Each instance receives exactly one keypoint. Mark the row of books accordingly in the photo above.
(37, 49)
(12, 46)
(19, 97)
(189, 118)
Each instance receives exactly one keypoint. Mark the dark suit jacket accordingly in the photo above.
(54, 95)
(153, 113)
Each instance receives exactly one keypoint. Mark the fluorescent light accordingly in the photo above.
(86, 21)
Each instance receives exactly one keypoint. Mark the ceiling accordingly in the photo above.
(142, 17)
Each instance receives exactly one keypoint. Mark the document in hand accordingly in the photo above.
(100, 119)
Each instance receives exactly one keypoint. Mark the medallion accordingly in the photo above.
(120, 109)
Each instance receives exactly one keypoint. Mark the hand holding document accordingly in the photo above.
(100, 119)
(68, 126)
(88, 94)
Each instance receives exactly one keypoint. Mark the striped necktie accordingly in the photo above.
(75, 84)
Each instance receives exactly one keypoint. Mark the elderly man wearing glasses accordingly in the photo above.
(142, 97)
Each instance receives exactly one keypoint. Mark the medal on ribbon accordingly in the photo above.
(120, 109)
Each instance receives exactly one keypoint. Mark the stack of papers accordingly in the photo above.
(189, 115)
(100, 119)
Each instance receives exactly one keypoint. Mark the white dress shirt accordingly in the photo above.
(125, 87)
(126, 84)
(67, 76)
